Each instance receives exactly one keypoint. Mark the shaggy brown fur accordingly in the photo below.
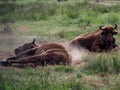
(51, 54)
(98, 41)
(25, 47)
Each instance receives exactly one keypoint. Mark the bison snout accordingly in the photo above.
(115, 32)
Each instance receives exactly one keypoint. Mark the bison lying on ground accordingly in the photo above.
(50, 53)
(26, 46)
(32, 54)
(27, 49)
(98, 41)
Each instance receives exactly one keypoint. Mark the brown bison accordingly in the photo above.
(26, 46)
(98, 41)
(50, 53)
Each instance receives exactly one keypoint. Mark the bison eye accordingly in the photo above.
(103, 33)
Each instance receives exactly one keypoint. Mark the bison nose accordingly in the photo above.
(115, 32)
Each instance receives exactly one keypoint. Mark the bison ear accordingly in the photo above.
(101, 27)
(115, 26)
(33, 42)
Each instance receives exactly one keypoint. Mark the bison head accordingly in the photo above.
(25, 47)
(107, 33)
(109, 29)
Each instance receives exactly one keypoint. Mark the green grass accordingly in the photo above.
(104, 63)
(49, 20)
(41, 78)
(50, 78)
(36, 11)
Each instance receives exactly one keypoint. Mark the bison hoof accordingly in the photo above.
(4, 63)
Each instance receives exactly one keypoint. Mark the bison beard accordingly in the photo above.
(98, 41)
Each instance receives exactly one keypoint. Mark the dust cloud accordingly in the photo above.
(77, 54)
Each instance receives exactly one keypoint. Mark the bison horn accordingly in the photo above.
(100, 27)
(33, 41)
(115, 26)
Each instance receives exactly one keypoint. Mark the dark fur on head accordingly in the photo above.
(26, 46)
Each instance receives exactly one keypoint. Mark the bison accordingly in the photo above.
(98, 41)
(49, 53)
(26, 46)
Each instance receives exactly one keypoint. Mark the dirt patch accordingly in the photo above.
(4, 55)
(24, 29)
(2, 68)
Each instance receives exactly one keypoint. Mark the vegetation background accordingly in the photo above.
(50, 20)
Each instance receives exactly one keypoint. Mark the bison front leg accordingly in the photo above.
(29, 59)
(21, 62)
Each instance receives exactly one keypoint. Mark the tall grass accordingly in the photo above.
(46, 78)
(55, 78)
(72, 11)
(84, 11)
(104, 63)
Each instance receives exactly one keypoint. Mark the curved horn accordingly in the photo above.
(115, 26)
(33, 41)
(100, 27)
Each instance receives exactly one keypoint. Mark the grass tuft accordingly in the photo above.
(104, 63)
